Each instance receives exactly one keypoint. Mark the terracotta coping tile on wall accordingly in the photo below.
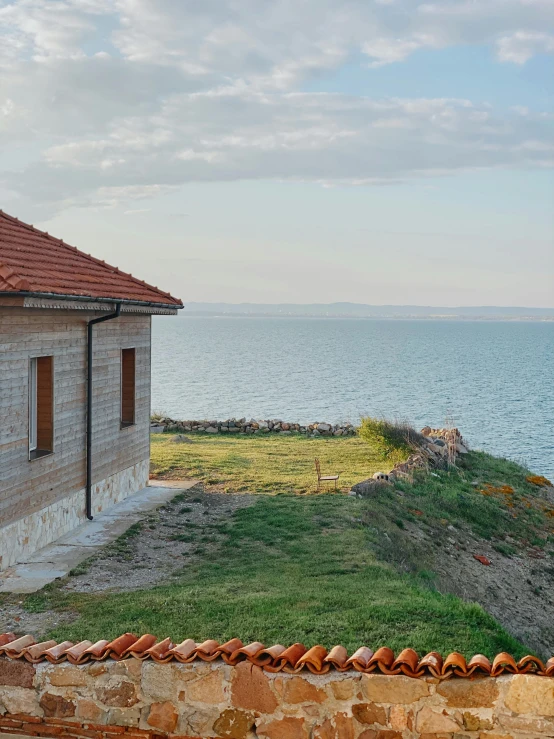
(276, 658)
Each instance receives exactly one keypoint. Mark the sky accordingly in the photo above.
(373, 151)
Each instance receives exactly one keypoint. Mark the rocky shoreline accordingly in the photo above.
(253, 426)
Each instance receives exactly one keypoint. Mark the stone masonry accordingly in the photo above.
(134, 698)
(253, 426)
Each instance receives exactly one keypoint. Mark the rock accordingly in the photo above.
(285, 728)
(431, 721)
(120, 696)
(369, 487)
(343, 690)
(530, 694)
(298, 690)
(211, 430)
(426, 431)
(163, 716)
(478, 693)
(461, 449)
(251, 689)
(341, 726)
(18, 673)
(234, 724)
(208, 689)
(382, 476)
(323, 427)
(56, 706)
(180, 439)
(88, 710)
(381, 689)
(19, 700)
(67, 675)
(369, 713)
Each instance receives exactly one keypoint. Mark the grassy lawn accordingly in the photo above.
(289, 569)
(266, 463)
(323, 568)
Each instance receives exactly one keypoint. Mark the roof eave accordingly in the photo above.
(91, 299)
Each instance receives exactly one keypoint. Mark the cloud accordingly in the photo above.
(521, 46)
(125, 99)
(245, 134)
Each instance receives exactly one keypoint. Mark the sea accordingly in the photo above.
(494, 380)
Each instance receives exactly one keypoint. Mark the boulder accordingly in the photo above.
(181, 439)
(368, 487)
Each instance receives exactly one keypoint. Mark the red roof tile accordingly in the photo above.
(33, 261)
(273, 659)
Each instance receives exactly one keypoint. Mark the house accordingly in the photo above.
(74, 386)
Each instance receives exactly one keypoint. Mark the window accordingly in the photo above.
(127, 387)
(41, 406)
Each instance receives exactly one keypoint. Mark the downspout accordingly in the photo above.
(90, 324)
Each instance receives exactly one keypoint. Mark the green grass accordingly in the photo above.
(290, 569)
(393, 438)
(474, 494)
(323, 568)
(266, 463)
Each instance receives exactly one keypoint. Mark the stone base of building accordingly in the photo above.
(21, 538)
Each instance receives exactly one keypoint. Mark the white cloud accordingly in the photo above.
(124, 99)
(521, 46)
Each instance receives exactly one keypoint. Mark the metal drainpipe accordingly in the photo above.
(90, 324)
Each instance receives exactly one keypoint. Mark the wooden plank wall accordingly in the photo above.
(27, 486)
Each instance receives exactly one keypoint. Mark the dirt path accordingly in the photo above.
(150, 553)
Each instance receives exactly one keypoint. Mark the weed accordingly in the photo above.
(393, 438)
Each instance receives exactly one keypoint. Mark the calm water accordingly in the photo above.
(494, 379)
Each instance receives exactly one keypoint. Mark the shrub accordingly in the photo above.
(390, 436)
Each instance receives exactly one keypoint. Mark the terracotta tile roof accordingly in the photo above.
(33, 261)
(277, 658)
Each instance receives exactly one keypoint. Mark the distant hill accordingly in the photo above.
(361, 310)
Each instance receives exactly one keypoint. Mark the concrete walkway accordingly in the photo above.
(58, 558)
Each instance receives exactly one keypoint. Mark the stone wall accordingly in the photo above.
(23, 537)
(134, 698)
(253, 426)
